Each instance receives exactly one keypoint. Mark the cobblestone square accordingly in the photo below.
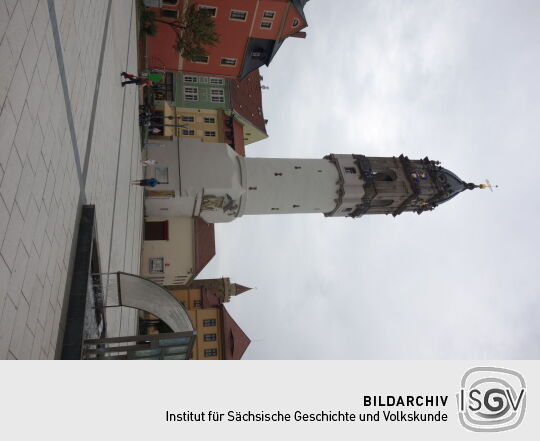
(68, 137)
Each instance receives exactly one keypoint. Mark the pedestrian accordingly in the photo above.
(134, 79)
(152, 182)
(148, 162)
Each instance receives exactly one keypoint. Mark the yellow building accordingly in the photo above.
(218, 336)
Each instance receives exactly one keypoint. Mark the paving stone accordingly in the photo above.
(4, 19)
(12, 176)
(8, 128)
(35, 94)
(18, 90)
(29, 54)
(38, 340)
(4, 221)
(34, 151)
(11, 238)
(5, 274)
(16, 344)
(15, 32)
(40, 22)
(7, 68)
(7, 322)
(39, 227)
(28, 9)
(25, 188)
(10, 5)
(17, 274)
(30, 220)
(44, 306)
(44, 62)
(33, 292)
(24, 133)
(26, 345)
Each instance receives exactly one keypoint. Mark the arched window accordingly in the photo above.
(378, 203)
(385, 176)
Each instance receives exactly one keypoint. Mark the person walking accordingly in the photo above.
(152, 182)
(134, 79)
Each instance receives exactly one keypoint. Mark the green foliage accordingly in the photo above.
(195, 32)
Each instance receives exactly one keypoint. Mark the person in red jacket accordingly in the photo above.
(134, 79)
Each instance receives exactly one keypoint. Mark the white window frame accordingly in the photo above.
(217, 92)
(217, 81)
(191, 79)
(221, 63)
(187, 118)
(191, 93)
(209, 120)
(210, 133)
(217, 99)
(155, 264)
(188, 132)
(238, 11)
(210, 8)
(270, 23)
(269, 12)
(203, 62)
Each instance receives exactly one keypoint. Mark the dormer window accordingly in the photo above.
(295, 22)
(258, 55)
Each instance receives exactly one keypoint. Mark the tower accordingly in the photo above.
(215, 183)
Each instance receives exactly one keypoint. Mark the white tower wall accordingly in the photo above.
(277, 186)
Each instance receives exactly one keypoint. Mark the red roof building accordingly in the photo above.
(251, 32)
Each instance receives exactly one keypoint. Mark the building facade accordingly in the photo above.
(251, 32)
(218, 335)
(175, 249)
(212, 109)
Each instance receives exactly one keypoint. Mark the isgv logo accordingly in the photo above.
(491, 399)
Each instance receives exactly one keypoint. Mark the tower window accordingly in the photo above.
(350, 170)
(278, 174)
(381, 203)
(297, 167)
(275, 209)
(295, 22)
(266, 24)
(253, 188)
(209, 322)
(385, 175)
(269, 14)
(296, 206)
(210, 337)
(197, 303)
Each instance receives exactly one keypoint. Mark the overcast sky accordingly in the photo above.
(458, 81)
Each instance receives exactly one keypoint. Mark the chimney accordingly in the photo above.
(299, 35)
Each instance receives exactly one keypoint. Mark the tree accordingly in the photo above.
(195, 31)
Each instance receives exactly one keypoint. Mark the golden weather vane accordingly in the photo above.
(488, 185)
